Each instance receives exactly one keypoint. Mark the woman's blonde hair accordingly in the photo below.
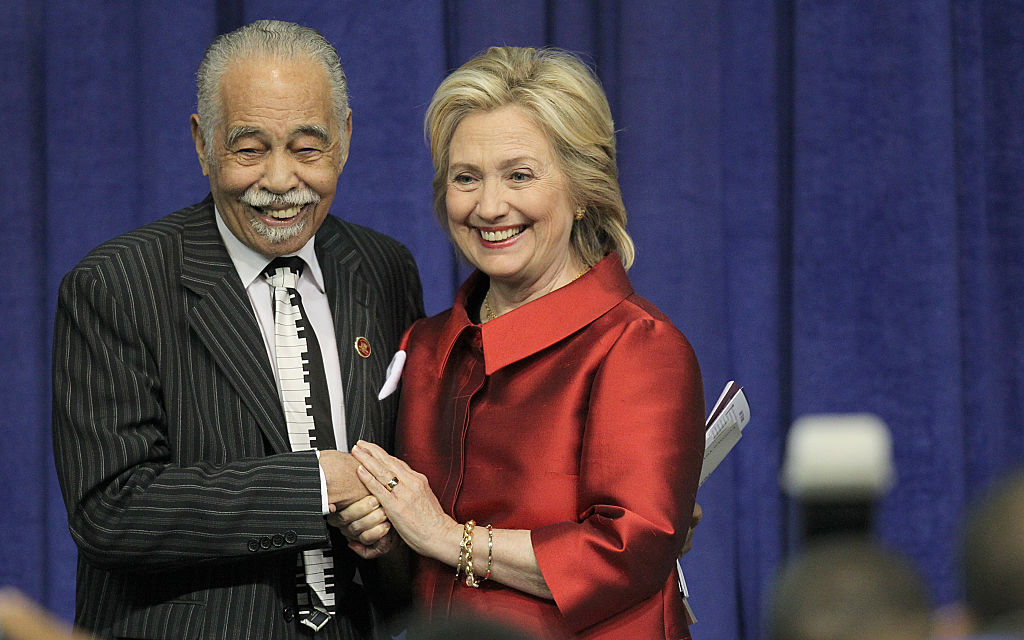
(564, 98)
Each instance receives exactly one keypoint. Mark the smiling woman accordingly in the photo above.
(509, 210)
(550, 430)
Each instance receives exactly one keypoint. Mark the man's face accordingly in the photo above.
(277, 152)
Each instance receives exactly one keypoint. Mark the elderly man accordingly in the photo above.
(204, 392)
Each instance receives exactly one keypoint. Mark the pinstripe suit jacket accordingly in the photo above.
(185, 501)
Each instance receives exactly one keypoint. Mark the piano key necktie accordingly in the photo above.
(307, 410)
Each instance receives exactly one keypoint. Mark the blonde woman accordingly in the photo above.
(551, 422)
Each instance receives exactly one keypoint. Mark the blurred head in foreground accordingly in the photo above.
(848, 589)
(992, 559)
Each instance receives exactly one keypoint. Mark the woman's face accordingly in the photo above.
(508, 203)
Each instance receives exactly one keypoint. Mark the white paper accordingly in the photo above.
(730, 414)
(722, 430)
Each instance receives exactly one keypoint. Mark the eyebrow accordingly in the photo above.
(511, 162)
(315, 130)
(237, 133)
(460, 166)
(505, 164)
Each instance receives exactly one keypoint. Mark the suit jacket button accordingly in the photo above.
(277, 540)
(254, 545)
(289, 613)
(265, 542)
(290, 537)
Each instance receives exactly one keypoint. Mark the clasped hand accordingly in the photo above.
(400, 504)
(353, 511)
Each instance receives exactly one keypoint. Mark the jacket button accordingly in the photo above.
(254, 545)
(289, 613)
(265, 542)
(290, 537)
(277, 540)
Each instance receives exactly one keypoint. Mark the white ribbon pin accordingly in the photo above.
(393, 375)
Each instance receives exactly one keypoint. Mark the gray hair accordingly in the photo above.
(272, 38)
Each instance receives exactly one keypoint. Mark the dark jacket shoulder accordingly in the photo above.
(150, 255)
(386, 265)
(170, 227)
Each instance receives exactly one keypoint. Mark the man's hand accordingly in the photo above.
(362, 521)
(343, 486)
(366, 527)
(384, 546)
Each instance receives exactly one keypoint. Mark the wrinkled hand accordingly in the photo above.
(698, 513)
(381, 547)
(362, 521)
(343, 487)
(409, 504)
(366, 527)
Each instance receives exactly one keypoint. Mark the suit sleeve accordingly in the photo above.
(129, 505)
(639, 468)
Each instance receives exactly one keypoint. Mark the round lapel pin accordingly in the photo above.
(363, 347)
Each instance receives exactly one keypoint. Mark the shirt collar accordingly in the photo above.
(250, 264)
(539, 323)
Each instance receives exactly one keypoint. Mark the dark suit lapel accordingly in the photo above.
(353, 306)
(224, 321)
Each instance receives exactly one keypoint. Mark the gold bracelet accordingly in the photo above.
(490, 551)
(462, 553)
(471, 580)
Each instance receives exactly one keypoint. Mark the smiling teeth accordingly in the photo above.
(283, 214)
(498, 236)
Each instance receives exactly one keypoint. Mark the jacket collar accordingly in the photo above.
(221, 316)
(540, 323)
(250, 264)
(355, 306)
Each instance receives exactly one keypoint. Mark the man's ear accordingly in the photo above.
(197, 137)
(346, 141)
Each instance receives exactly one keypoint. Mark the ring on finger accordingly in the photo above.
(392, 483)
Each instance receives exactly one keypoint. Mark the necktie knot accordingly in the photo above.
(284, 271)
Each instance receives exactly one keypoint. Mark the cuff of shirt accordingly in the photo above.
(324, 505)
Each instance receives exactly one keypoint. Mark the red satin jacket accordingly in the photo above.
(578, 416)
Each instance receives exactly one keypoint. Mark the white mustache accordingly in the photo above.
(261, 198)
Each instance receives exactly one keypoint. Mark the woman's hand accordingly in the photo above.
(366, 527)
(409, 504)
(698, 513)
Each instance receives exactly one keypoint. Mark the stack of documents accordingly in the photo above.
(722, 430)
(724, 427)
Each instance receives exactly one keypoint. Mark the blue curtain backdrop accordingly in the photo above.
(826, 198)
